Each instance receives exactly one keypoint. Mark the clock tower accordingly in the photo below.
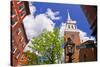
(72, 33)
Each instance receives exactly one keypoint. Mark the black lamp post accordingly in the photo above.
(69, 49)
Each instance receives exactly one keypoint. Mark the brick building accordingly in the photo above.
(19, 9)
(71, 32)
(90, 12)
(87, 51)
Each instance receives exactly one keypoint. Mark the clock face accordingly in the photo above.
(69, 49)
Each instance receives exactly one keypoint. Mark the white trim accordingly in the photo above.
(14, 24)
(18, 2)
(19, 31)
(22, 38)
(18, 55)
(24, 44)
(22, 57)
(23, 7)
(14, 50)
(24, 13)
(13, 16)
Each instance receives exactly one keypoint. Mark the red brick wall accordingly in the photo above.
(18, 37)
(87, 54)
(76, 39)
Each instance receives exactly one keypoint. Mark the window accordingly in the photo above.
(22, 10)
(21, 7)
(14, 50)
(69, 26)
(13, 20)
(12, 42)
(19, 31)
(18, 54)
(22, 38)
(22, 13)
(13, 13)
(22, 58)
(13, 16)
(24, 44)
(75, 27)
(72, 26)
(18, 2)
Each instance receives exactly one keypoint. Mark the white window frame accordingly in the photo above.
(18, 55)
(22, 38)
(15, 49)
(19, 31)
(22, 57)
(21, 8)
(24, 44)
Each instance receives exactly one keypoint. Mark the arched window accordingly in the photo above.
(72, 26)
(68, 26)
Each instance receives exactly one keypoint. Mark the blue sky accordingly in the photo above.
(75, 11)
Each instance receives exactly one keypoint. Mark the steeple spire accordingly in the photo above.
(68, 15)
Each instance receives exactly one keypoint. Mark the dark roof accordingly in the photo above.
(87, 44)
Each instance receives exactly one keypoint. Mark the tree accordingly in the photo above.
(32, 58)
(49, 45)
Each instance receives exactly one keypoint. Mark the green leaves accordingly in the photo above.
(48, 44)
(32, 58)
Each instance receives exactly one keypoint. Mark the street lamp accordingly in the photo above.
(69, 50)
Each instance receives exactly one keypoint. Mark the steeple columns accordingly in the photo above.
(71, 26)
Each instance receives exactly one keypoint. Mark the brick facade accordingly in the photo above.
(19, 9)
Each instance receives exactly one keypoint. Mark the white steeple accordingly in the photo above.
(70, 24)
(68, 15)
(69, 20)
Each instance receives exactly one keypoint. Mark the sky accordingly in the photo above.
(75, 11)
(51, 15)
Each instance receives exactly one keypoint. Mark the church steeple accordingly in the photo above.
(70, 24)
(72, 33)
(69, 18)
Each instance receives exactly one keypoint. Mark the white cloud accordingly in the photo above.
(32, 8)
(62, 28)
(44, 22)
(52, 15)
(35, 25)
(83, 35)
(29, 26)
